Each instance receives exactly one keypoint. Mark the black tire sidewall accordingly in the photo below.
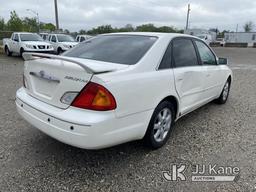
(7, 51)
(59, 51)
(21, 51)
(149, 136)
(220, 100)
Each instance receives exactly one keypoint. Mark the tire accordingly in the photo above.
(7, 51)
(225, 93)
(160, 125)
(59, 51)
(21, 51)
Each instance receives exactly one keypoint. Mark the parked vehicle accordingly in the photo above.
(44, 36)
(206, 37)
(61, 42)
(121, 87)
(26, 42)
(221, 41)
(81, 38)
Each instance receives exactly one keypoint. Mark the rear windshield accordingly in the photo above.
(30, 37)
(121, 49)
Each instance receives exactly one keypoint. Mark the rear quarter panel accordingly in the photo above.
(136, 93)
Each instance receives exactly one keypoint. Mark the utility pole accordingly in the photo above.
(237, 28)
(56, 14)
(188, 16)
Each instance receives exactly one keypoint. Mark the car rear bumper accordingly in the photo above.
(81, 128)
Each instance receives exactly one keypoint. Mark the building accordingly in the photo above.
(240, 37)
(196, 32)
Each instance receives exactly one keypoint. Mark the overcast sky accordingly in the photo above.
(85, 14)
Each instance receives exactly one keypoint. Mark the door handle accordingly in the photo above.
(180, 79)
(208, 75)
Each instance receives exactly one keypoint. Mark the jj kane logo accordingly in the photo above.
(180, 172)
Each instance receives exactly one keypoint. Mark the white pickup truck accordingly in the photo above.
(61, 42)
(81, 38)
(26, 42)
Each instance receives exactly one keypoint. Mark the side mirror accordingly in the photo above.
(223, 61)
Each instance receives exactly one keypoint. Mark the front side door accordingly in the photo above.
(213, 74)
(189, 74)
(54, 43)
(15, 43)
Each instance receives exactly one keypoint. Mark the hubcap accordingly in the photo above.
(162, 124)
(225, 91)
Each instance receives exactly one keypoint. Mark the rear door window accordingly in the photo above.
(184, 54)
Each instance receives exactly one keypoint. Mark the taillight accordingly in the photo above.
(95, 97)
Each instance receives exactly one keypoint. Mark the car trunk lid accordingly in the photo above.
(51, 76)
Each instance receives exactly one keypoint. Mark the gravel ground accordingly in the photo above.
(223, 135)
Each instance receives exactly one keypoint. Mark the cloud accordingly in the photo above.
(85, 14)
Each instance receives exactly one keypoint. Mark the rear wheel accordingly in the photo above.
(7, 51)
(225, 93)
(160, 125)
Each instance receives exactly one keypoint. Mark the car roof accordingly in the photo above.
(170, 35)
(24, 33)
(57, 34)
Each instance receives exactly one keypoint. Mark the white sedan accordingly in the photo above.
(116, 88)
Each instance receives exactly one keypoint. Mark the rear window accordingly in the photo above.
(121, 49)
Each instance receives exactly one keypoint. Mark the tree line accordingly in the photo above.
(15, 23)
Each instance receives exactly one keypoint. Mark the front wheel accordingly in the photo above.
(225, 93)
(160, 125)
(59, 51)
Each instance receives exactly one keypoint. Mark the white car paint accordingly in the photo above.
(137, 89)
(15, 44)
(57, 44)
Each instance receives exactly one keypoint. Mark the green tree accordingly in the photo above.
(82, 32)
(101, 29)
(66, 31)
(248, 26)
(14, 23)
(47, 27)
(166, 29)
(146, 28)
(2, 24)
(30, 24)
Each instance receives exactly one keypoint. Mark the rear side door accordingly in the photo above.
(189, 74)
(214, 79)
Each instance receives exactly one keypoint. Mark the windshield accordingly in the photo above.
(65, 38)
(122, 49)
(30, 37)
